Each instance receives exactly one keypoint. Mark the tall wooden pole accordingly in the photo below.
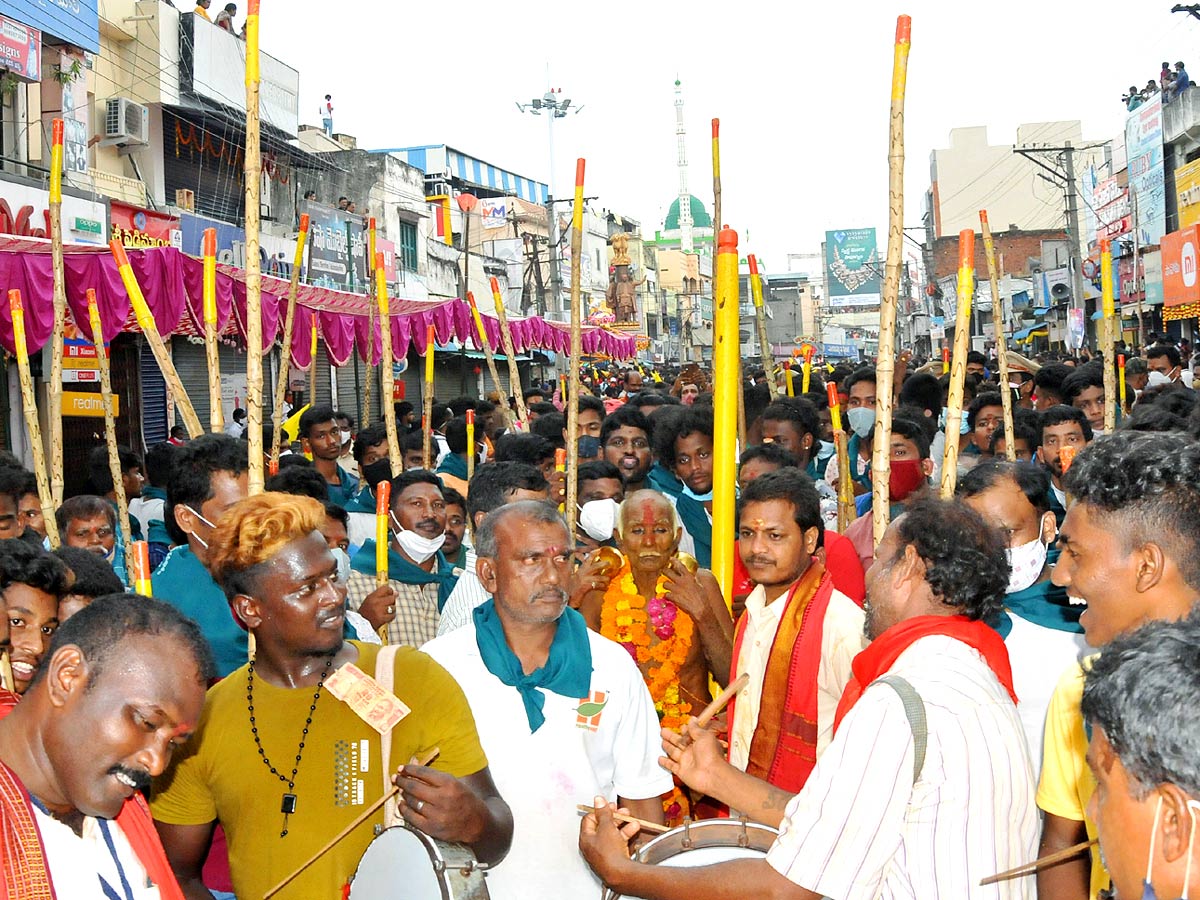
(365, 417)
(486, 345)
(1010, 442)
(958, 363)
(216, 414)
(145, 320)
(576, 351)
(427, 456)
(254, 348)
(54, 387)
(885, 367)
(29, 408)
(383, 531)
(312, 365)
(110, 434)
(470, 444)
(726, 386)
(845, 487)
(285, 358)
(1108, 343)
(760, 318)
(740, 425)
(514, 374)
(385, 367)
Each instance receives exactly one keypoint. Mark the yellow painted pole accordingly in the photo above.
(383, 511)
(54, 387)
(1010, 444)
(576, 351)
(29, 408)
(806, 381)
(514, 374)
(145, 320)
(845, 487)
(366, 398)
(385, 366)
(1108, 341)
(289, 326)
(254, 337)
(427, 417)
(958, 365)
(760, 318)
(787, 371)
(216, 415)
(139, 568)
(486, 345)
(312, 365)
(470, 444)
(725, 384)
(1121, 380)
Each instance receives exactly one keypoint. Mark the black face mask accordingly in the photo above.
(380, 470)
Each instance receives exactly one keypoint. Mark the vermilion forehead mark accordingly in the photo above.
(758, 523)
(649, 513)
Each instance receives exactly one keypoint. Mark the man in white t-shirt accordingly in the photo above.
(562, 713)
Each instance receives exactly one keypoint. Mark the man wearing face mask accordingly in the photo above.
(1139, 700)
(1165, 366)
(1040, 628)
(346, 433)
(371, 453)
(417, 571)
(1127, 573)
(601, 491)
(1062, 427)
(452, 470)
(209, 475)
(859, 388)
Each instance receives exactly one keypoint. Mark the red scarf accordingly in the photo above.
(882, 653)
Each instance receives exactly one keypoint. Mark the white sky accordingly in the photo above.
(801, 88)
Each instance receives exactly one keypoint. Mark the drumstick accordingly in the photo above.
(1042, 862)
(621, 817)
(362, 817)
(722, 698)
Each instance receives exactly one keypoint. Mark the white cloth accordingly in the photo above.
(841, 640)
(235, 429)
(1039, 656)
(443, 448)
(359, 529)
(145, 510)
(567, 761)
(467, 594)
(860, 829)
(78, 862)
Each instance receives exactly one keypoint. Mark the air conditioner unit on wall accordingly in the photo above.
(126, 122)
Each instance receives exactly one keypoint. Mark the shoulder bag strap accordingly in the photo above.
(914, 711)
(385, 674)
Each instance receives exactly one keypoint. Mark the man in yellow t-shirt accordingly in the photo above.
(284, 765)
(1131, 551)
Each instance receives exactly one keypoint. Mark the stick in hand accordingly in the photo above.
(621, 817)
(1030, 867)
(722, 699)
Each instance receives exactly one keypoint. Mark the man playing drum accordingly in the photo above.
(926, 787)
(562, 713)
(282, 766)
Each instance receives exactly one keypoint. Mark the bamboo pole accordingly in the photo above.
(427, 405)
(110, 432)
(1109, 336)
(254, 337)
(373, 297)
(216, 414)
(145, 320)
(725, 386)
(1121, 381)
(514, 374)
(383, 511)
(760, 318)
(790, 390)
(29, 407)
(139, 568)
(1010, 443)
(470, 444)
(885, 366)
(845, 488)
(312, 364)
(806, 369)
(945, 360)
(285, 358)
(486, 345)
(958, 364)
(55, 385)
(385, 366)
(576, 352)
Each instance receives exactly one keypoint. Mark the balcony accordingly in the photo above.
(106, 184)
(1181, 117)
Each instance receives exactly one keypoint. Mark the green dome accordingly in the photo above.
(700, 216)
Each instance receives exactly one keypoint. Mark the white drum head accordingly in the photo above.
(707, 856)
(397, 864)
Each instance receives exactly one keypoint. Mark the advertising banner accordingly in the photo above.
(494, 212)
(1180, 284)
(1144, 146)
(20, 50)
(852, 267)
(137, 227)
(76, 22)
(1187, 192)
(337, 248)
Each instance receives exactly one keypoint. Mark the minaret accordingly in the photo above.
(685, 199)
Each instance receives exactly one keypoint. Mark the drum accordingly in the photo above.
(404, 863)
(705, 842)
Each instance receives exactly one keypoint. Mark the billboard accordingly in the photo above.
(852, 267)
(1144, 147)
(136, 227)
(77, 22)
(1181, 285)
(1110, 200)
(494, 212)
(337, 248)
(1187, 193)
(20, 50)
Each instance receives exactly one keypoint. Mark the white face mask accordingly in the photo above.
(1026, 562)
(861, 419)
(345, 437)
(416, 547)
(826, 450)
(1157, 379)
(343, 564)
(598, 519)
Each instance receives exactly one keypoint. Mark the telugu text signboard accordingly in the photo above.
(852, 267)
(1144, 148)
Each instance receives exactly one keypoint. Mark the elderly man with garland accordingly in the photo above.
(671, 620)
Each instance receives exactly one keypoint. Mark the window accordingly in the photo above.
(406, 247)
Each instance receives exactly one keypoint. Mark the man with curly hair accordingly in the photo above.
(926, 787)
(1131, 552)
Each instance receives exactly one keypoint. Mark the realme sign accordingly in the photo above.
(81, 403)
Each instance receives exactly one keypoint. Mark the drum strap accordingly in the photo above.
(385, 674)
(914, 711)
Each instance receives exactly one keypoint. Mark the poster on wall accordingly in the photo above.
(233, 393)
(1144, 147)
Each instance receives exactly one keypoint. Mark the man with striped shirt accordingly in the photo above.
(927, 786)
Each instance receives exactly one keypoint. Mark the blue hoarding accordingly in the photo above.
(76, 22)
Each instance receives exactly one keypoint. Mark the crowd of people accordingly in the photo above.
(1171, 83)
(1011, 672)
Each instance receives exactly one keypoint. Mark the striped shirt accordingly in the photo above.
(417, 615)
(861, 830)
(467, 594)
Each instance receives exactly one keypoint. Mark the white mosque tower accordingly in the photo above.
(685, 205)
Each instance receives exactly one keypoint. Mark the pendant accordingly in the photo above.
(288, 806)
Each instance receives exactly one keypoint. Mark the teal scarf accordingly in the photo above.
(695, 522)
(400, 569)
(1044, 604)
(454, 465)
(567, 672)
(659, 478)
(362, 502)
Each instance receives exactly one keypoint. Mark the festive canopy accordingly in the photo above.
(172, 283)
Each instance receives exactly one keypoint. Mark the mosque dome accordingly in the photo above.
(700, 216)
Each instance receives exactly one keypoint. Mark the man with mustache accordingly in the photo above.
(421, 577)
(562, 712)
(625, 439)
(122, 687)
